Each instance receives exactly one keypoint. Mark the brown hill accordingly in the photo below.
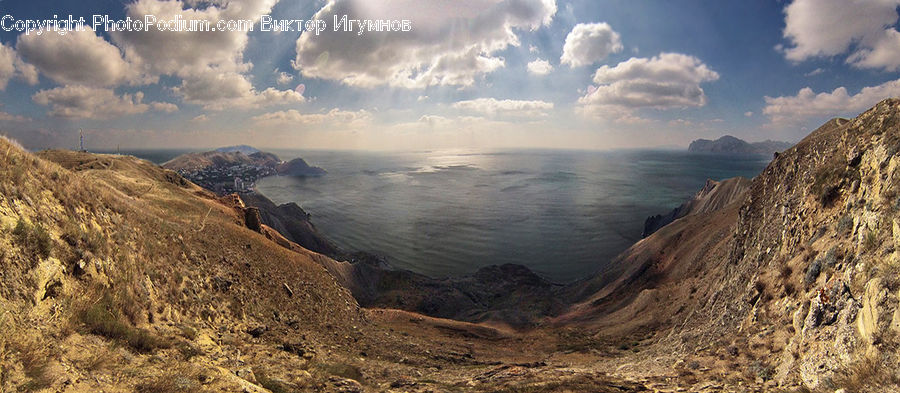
(119, 275)
(793, 286)
(198, 161)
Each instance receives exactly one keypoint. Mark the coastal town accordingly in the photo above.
(236, 169)
(240, 178)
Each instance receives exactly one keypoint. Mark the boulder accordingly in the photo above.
(252, 219)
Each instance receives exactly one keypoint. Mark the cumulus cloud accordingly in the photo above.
(590, 43)
(806, 105)
(217, 91)
(748, 114)
(167, 107)
(282, 77)
(451, 42)
(670, 80)
(210, 64)
(825, 28)
(539, 67)
(94, 103)
(12, 66)
(492, 106)
(294, 117)
(79, 57)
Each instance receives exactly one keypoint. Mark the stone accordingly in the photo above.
(252, 219)
(873, 300)
(246, 374)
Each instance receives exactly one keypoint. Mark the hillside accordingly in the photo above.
(794, 285)
(193, 162)
(122, 276)
(731, 145)
(714, 195)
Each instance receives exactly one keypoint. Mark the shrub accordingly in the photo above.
(845, 224)
(33, 238)
(35, 360)
(813, 271)
(870, 241)
(762, 370)
(104, 319)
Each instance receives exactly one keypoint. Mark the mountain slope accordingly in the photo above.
(714, 195)
(796, 284)
(120, 276)
(112, 249)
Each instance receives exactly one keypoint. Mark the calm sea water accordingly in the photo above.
(563, 214)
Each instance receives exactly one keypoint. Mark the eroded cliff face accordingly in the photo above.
(793, 285)
(813, 268)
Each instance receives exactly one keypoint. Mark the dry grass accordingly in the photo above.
(104, 318)
(868, 375)
(178, 380)
(35, 357)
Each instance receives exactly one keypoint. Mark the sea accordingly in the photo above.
(564, 214)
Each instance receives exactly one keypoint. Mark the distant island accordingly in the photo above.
(237, 168)
(731, 145)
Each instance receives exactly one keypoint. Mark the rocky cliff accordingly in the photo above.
(714, 195)
(795, 283)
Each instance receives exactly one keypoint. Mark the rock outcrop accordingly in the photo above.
(299, 168)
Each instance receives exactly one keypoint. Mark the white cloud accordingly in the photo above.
(539, 67)
(200, 118)
(806, 105)
(79, 57)
(12, 66)
(94, 103)
(10, 117)
(825, 28)
(814, 72)
(590, 43)
(451, 42)
(164, 107)
(232, 90)
(748, 114)
(491, 106)
(670, 80)
(210, 64)
(294, 117)
(189, 53)
(283, 78)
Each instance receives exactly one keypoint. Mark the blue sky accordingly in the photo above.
(470, 74)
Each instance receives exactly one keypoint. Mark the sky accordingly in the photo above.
(570, 74)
